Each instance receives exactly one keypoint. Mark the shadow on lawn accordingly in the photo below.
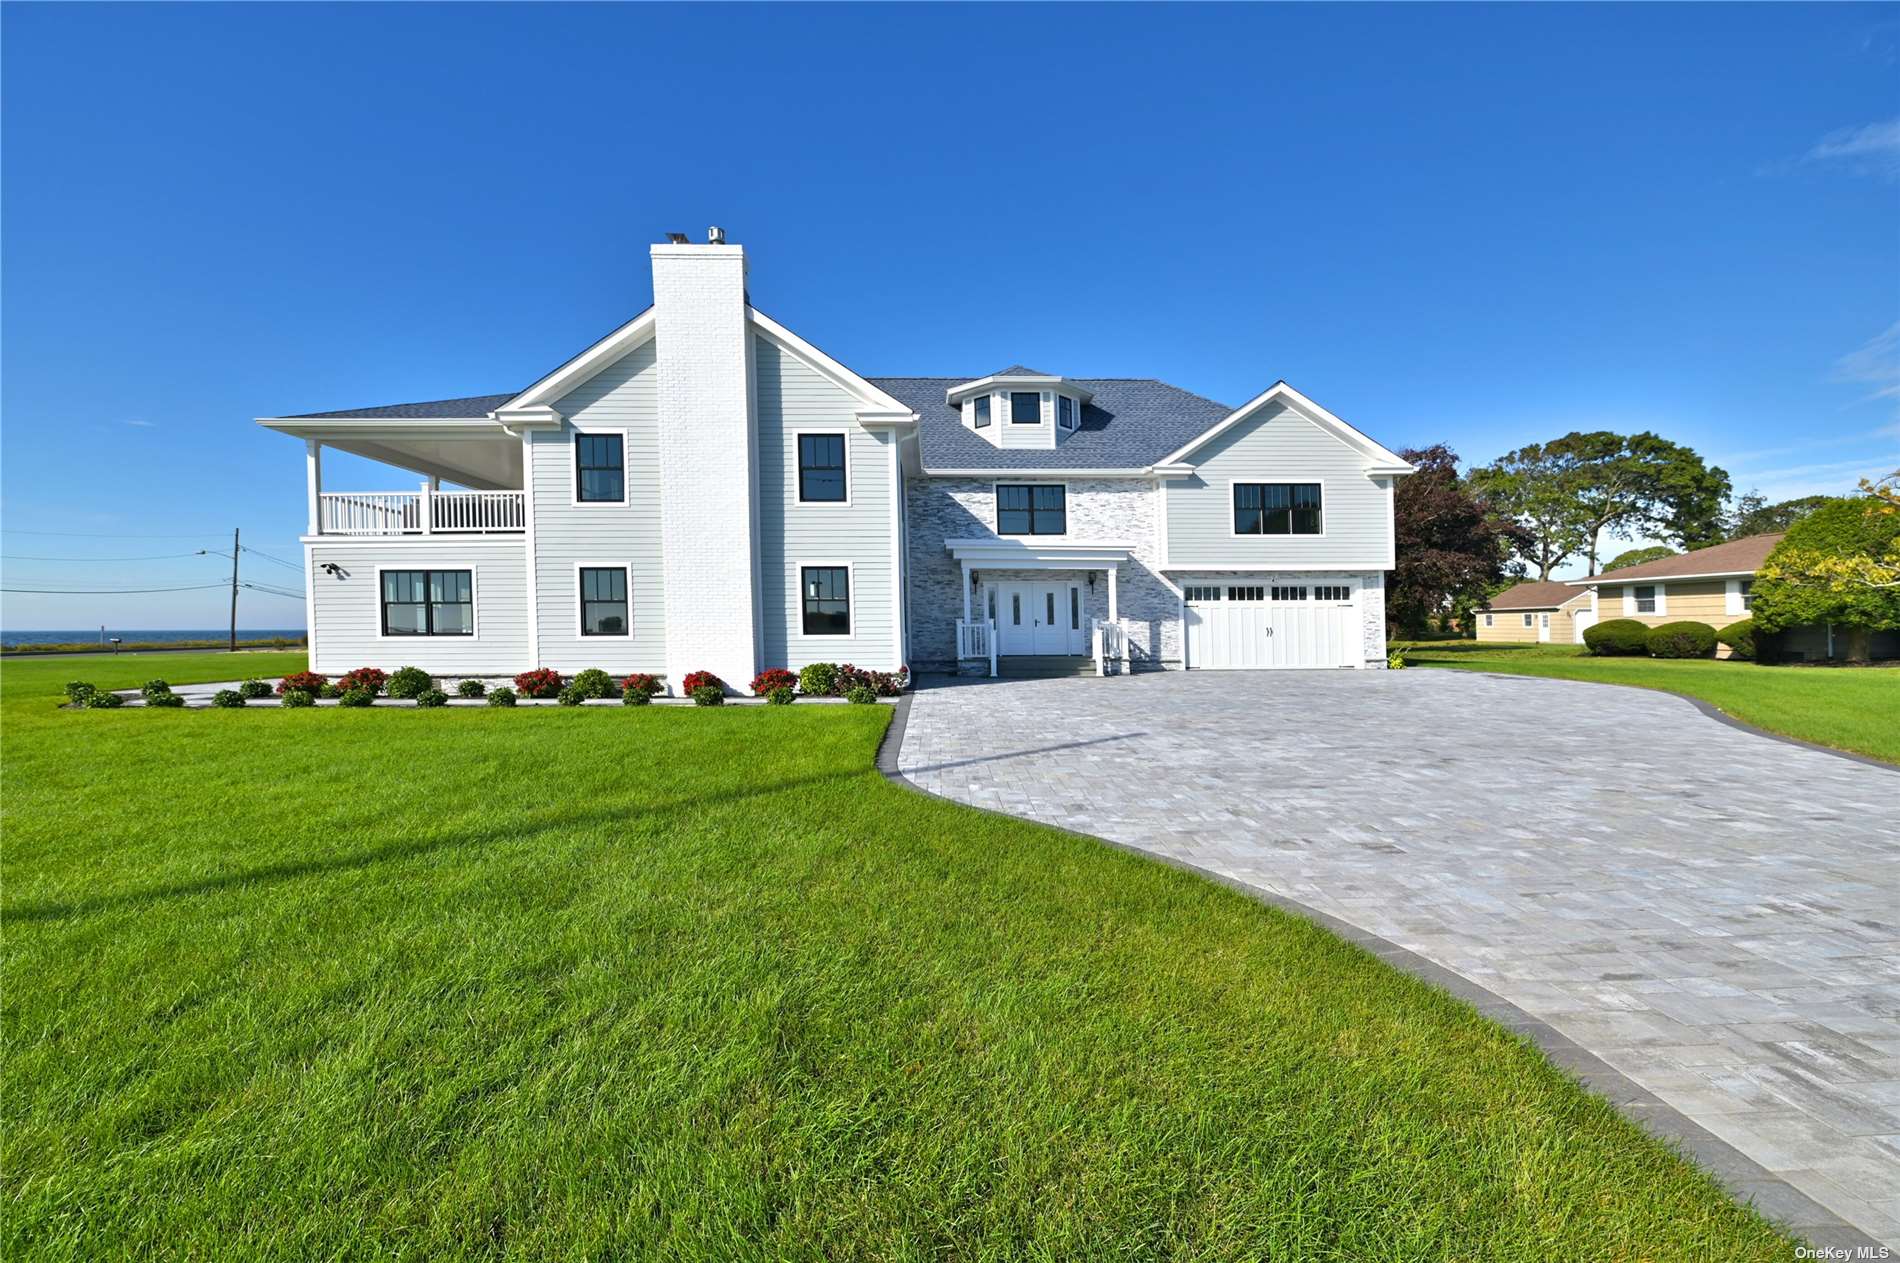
(290, 871)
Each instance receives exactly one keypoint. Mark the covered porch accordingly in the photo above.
(1039, 603)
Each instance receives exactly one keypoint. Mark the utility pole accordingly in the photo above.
(234, 557)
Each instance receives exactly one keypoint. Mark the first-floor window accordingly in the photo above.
(1748, 594)
(1488, 620)
(1527, 620)
(604, 601)
(1332, 592)
(1276, 508)
(827, 592)
(428, 603)
(1646, 598)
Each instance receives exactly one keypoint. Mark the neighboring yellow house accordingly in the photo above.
(1709, 585)
(1545, 612)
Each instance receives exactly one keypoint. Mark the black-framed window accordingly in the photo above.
(604, 601)
(600, 468)
(428, 603)
(1033, 509)
(982, 411)
(1276, 508)
(1075, 608)
(821, 469)
(1065, 412)
(1025, 407)
(827, 600)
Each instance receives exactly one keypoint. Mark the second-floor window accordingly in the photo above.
(1040, 509)
(1025, 407)
(1276, 508)
(982, 411)
(1065, 412)
(821, 469)
(428, 603)
(600, 468)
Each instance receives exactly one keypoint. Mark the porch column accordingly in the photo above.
(966, 591)
(1113, 609)
(313, 484)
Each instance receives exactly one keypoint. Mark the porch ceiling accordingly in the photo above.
(1039, 554)
(474, 453)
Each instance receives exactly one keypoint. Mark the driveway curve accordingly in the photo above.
(1713, 912)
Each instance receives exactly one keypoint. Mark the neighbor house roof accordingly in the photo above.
(1737, 557)
(1546, 594)
(1128, 423)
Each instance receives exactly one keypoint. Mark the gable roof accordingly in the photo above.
(1017, 370)
(1128, 423)
(1379, 459)
(1742, 556)
(1545, 594)
(470, 408)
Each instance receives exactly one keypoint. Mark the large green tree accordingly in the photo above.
(1453, 547)
(1534, 486)
(1637, 556)
(1631, 485)
(1754, 515)
(1840, 564)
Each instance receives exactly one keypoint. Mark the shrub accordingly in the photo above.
(252, 689)
(1618, 638)
(227, 697)
(432, 697)
(708, 694)
(540, 682)
(154, 688)
(861, 696)
(356, 697)
(1395, 660)
(781, 696)
(106, 699)
(298, 697)
(571, 696)
(697, 680)
(648, 686)
(881, 683)
(771, 679)
(470, 688)
(631, 696)
(1686, 639)
(820, 679)
(503, 696)
(165, 700)
(410, 682)
(1740, 639)
(79, 692)
(329, 690)
(364, 679)
(594, 682)
(307, 681)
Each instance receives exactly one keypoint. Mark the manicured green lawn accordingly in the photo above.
(609, 983)
(1849, 708)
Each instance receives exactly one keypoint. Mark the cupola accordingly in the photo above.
(1020, 407)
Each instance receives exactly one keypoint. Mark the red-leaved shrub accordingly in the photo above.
(369, 679)
(540, 682)
(773, 678)
(641, 682)
(309, 681)
(699, 680)
(883, 683)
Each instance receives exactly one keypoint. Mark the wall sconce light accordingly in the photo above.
(334, 571)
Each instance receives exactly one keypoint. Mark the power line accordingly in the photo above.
(271, 590)
(110, 591)
(14, 530)
(288, 565)
(150, 557)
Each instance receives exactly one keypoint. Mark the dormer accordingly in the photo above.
(1020, 407)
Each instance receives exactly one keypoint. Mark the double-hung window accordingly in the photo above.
(827, 600)
(1527, 620)
(428, 603)
(821, 476)
(1276, 508)
(1025, 407)
(604, 601)
(982, 411)
(600, 468)
(1645, 598)
(1748, 594)
(1032, 509)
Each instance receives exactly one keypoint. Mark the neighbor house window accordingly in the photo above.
(1032, 510)
(1332, 592)
(1646, 598)
(1748, 594)
(604, 601)
(1527, 620)
(1295, 592)
(428, 603)
(1025, 407)
(1065, 412)
(1488, 620)
(600, 468)
(1276, 508)
(982, 411)
(827, 598)
(821, 469)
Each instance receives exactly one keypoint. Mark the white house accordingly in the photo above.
(704, 489)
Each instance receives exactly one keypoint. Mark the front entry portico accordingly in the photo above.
(1024, 598)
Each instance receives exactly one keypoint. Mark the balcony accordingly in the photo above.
(424, 512)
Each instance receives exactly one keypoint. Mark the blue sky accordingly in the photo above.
(1478, 225)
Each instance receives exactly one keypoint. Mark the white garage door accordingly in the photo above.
(1239, 627)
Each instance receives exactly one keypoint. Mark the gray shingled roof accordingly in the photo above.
(1130, 423)
(1017, 370)
(472, 406)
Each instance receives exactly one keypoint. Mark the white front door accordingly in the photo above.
(1543, 627)
(1581, 622)
(1039, 618)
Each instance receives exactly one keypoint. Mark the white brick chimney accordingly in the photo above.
(708, 523)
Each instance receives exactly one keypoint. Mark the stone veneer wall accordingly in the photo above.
(1120, 511)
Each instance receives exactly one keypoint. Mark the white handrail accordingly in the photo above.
(1110, 647)
(976, 638)
(420, 512)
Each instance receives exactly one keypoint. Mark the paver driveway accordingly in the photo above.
(1715, 913)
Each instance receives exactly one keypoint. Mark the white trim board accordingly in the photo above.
(1379, 459)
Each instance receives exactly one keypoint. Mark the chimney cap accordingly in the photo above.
(675, 238)
(715, 236)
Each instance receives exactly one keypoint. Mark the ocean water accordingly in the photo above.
(90, 635)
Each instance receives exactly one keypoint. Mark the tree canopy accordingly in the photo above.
(1637, 556)
(1840, 564)
(1453, 546)
(1753, 515)
(1533, 487)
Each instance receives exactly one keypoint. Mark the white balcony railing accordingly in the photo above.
(1111, 648)
(421, 512)
(976, 638)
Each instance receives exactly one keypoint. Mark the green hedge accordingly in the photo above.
(1618, 638)
(1686, 639)
(1740, 639)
